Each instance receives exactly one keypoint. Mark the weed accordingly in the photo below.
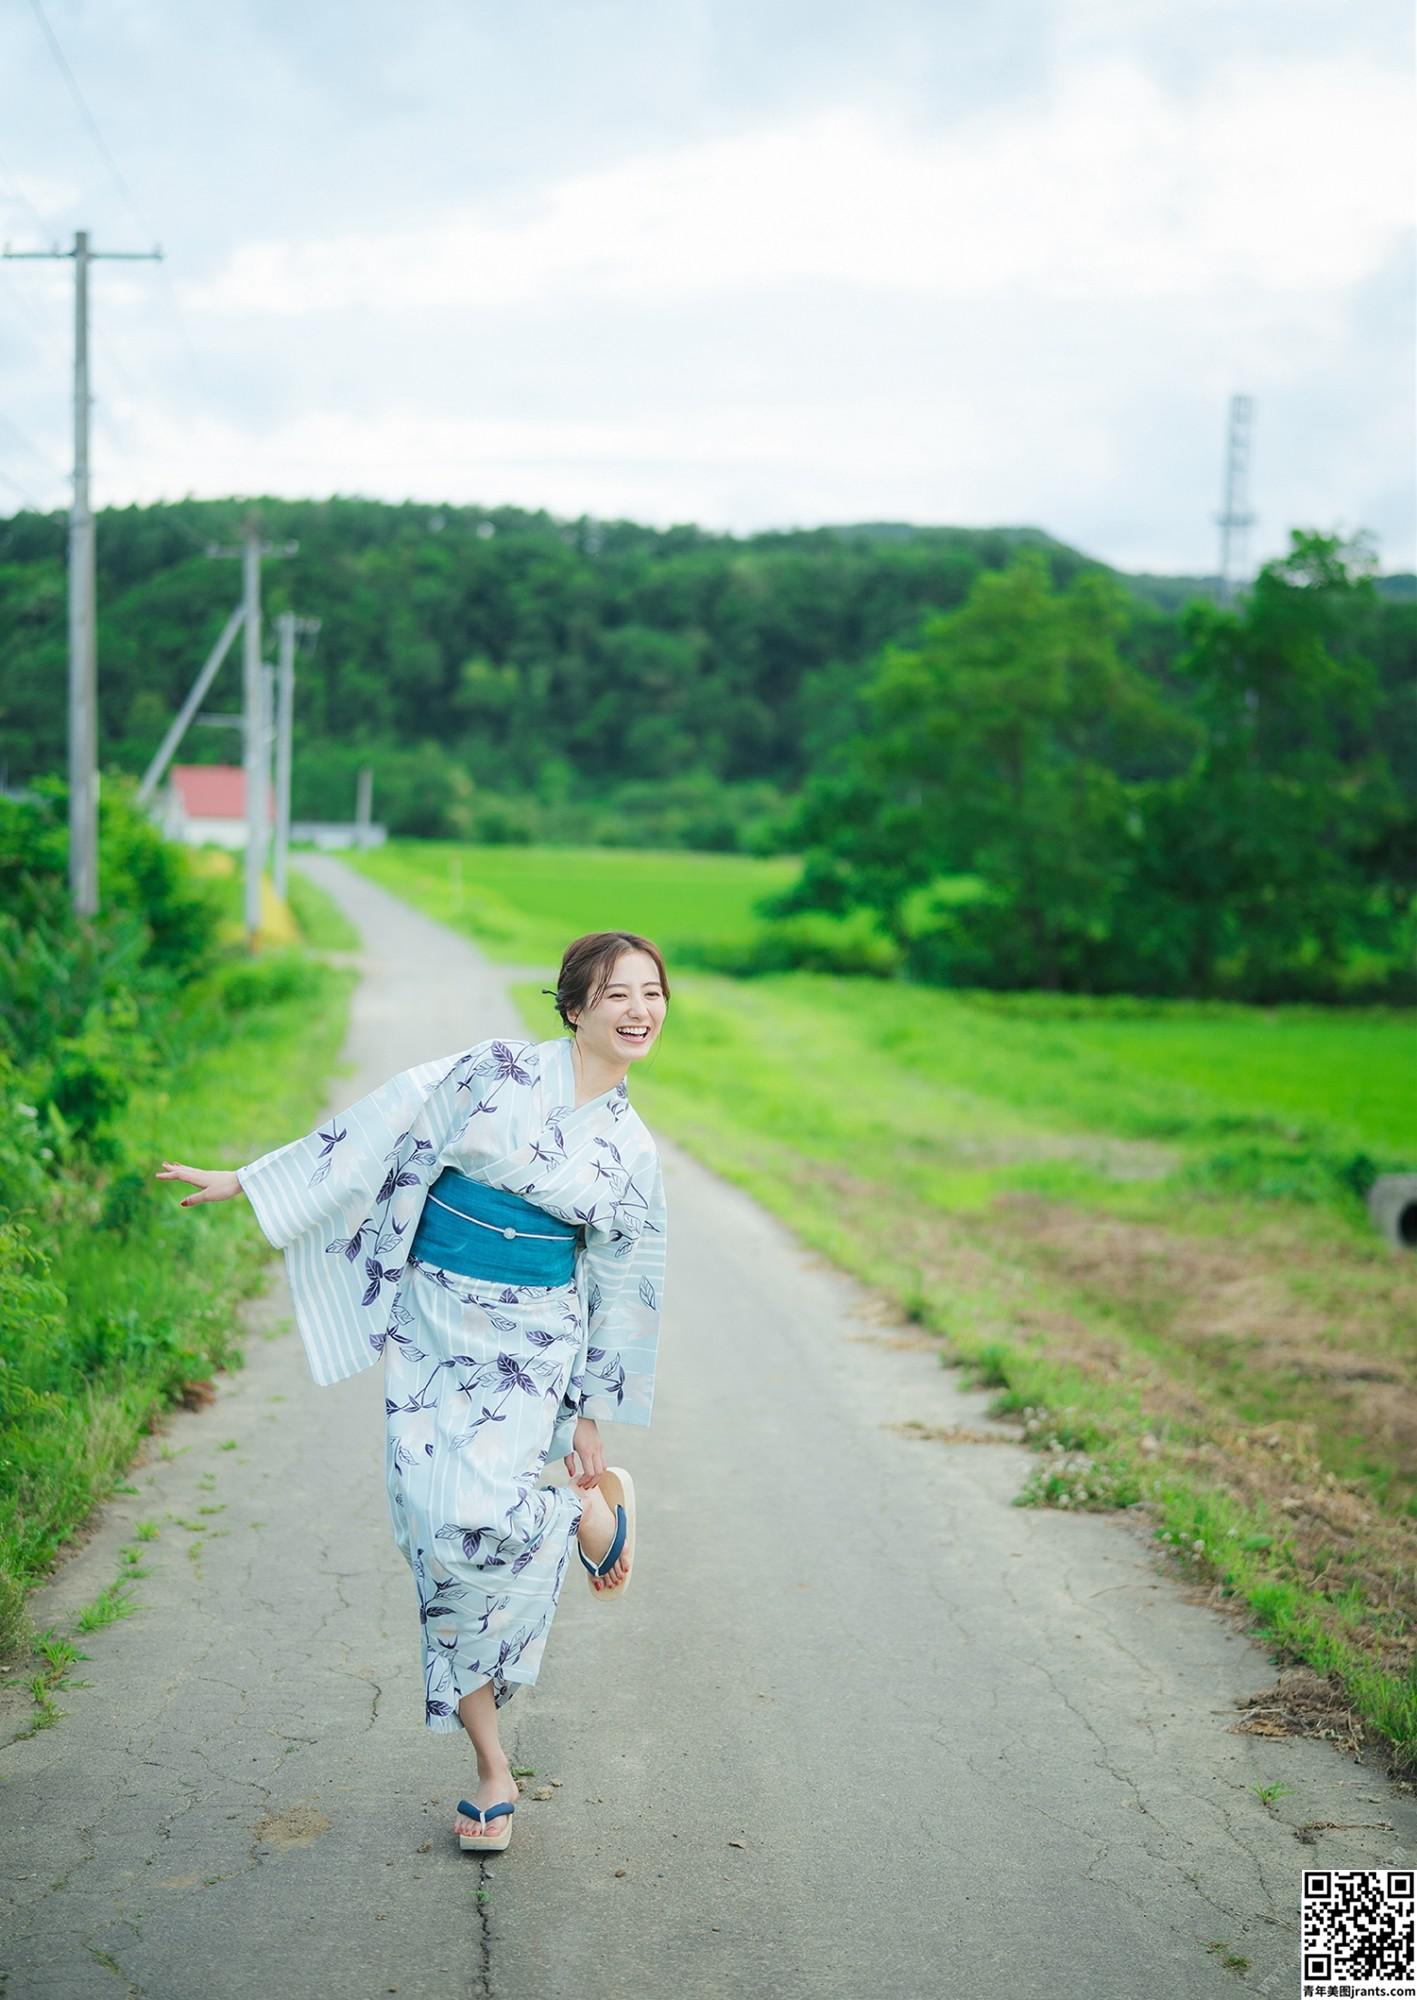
(48, 1714)
(59, 1653)
(1231, 1960)
(107, 1608)
(1079, 1480)
(227, 1444)
(1267, 1794)
(147, 1531)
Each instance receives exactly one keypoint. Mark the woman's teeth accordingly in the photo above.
(633, 1034)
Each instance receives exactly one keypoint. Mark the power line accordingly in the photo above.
(101, 145)
(27, 444)
(91, 124)
(19, 199)
(39, 333)
(24, 493)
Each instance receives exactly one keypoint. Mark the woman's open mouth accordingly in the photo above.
(633, 1034)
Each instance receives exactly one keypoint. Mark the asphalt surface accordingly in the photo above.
(861, 1728)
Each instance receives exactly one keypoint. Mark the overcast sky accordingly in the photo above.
(749, 263)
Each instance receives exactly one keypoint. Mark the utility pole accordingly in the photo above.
(255, 734)
(83, 638)
(290, 630)
(1235, 520)
(285, 710)
(363, 805)
(253, 708)
(167, 749)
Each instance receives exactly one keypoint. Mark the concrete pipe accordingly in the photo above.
(1392, 1203)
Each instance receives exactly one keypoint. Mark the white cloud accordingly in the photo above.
(1115, 189)
(787, 261)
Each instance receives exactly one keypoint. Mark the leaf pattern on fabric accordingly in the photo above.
(482, 1381)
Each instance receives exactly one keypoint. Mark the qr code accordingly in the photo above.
(1359, 1934)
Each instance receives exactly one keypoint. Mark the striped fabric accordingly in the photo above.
(344, 1204)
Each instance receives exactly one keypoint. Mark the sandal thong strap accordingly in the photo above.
(476, 1812)
(612, 1554)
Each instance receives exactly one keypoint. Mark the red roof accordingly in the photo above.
(213, 791)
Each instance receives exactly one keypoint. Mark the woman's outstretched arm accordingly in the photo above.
(219, 1185)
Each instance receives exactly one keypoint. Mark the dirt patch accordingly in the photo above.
(298, 1826)
(956, 1433)
(1189, 1330)
(1117, 1159)
(1301, 1703)
(1328, 1326)
(900, 1343)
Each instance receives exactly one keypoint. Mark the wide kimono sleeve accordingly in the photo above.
(343, 1204)
(623, 1292)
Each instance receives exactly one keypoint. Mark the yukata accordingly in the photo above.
(483, 1381)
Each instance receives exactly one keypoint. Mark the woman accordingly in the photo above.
(492, 1225)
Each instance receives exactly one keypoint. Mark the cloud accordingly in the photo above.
(1114, 188)
(759, 262)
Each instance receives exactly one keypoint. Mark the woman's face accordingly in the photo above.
(624, 1023)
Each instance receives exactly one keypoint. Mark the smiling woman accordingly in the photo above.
(492, 1227)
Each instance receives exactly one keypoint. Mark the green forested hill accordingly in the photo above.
(508, 674)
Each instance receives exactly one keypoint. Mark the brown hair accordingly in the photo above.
(587, 964)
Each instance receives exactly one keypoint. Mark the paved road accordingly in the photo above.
(862, 1727)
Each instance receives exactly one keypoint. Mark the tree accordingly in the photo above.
(1283, 855)
(997, 748)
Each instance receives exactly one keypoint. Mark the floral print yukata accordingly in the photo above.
(483, 1382)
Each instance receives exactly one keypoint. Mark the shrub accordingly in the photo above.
(811, 941)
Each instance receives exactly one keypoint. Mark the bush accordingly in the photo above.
(109, 1305)
(264, 982)
(812, 941)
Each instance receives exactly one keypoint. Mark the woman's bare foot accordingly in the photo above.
(497, 1787)
(595, 1534)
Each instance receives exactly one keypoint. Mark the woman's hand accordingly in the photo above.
(586, 1445)
(221, 1185)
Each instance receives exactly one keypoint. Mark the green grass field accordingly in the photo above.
(525, 904)
(1137, 1227)
(1139, 1223)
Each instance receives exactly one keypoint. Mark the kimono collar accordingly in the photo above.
(568, 1072)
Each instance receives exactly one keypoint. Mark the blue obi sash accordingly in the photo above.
(485, 1232)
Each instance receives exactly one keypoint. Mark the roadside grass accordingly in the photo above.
(108, 1607)
(146, 1293)
(523, 905)
(322, 923)
(1052, 1190)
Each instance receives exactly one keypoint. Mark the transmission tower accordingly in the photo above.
(1235, 518)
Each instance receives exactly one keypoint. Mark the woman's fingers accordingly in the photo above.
(204, 1181)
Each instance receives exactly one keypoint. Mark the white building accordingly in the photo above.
(205, 806)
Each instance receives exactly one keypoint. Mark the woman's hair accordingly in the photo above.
(588, 963)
